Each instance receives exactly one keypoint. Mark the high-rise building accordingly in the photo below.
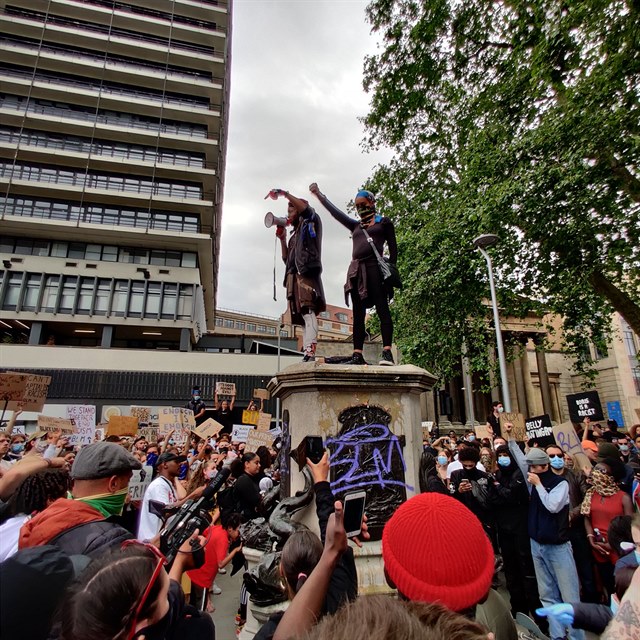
(113, 123)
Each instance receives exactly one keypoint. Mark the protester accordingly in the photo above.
(493, 419)
(364, 281)
(223, 413)
(456, 465)
(83, 525)
(548, 525)
(197, 405)
(430, 479)
(302, 256)
(246, 490)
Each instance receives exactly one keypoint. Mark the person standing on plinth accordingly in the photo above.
(364, 280)
(302, 257)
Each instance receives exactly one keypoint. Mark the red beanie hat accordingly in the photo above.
(424, 558)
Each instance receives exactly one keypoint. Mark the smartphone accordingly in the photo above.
(314, 448)
(353, 504)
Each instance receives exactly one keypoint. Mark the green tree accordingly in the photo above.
(514, 118)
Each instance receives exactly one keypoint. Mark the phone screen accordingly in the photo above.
(353, 512)
(315, 448)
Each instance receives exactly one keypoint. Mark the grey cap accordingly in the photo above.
(536, 456)
(101, 460)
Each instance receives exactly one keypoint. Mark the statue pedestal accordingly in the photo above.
(370, 420)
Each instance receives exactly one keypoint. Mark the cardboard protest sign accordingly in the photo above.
(261, 394)
(35, 393)
(483, 431)
(540, 429)
(517, 420)
(12, 386)
(188, 419)
(264, 422)
(47, 423)
(150, 434)
(142, 413)
(257, 439)
(637, 413)
(250, 417)
(178, 420)
(84, 417)
(427, 427)
(567, 439)
(584, 405)
(226, 388)
(240, 432)
(139, 482)
(122, 426)
(208, 429)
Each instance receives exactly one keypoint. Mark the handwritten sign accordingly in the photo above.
(264, 422)
(142, 413)
(35, 393)
(47, 423)
(517, 420)
(12, 386)
(483, 431)
(177, 419)
(261, 394)
(140, 480)
(257, 439)
(208, 429)
(584, 405)
(84, 418)
(567, 439)
(540, 429)
(150, 434)
(250, 417)
(240, 432)
(226, 388)
(122, 426)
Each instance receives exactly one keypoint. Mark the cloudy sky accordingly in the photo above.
(296, 95)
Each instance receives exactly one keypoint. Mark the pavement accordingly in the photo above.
(226, 604)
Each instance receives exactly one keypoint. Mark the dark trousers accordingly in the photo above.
(376, 297)
(198, 597)
(584, 562)
(518, 570)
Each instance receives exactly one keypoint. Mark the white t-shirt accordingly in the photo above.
(160, 490)
(456, 464)
(9, 535)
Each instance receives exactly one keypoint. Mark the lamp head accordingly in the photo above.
(486, 240)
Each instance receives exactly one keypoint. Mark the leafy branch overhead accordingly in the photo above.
(520, 119)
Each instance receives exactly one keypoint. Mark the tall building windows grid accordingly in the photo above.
(95, 180)
(98, 252)
(103, 116)
(97, 214)
(101, 147)
(87, 295)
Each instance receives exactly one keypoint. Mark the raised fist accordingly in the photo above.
(274, 193)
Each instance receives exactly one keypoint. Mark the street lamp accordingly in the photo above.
(481, 243)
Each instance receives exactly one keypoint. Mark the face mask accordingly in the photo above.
(41, 446)
(18, 447)
(504, 461)
(442, 460)
(500, 409)
(108, 504)
(486, 461)
(209, 474)
(636, 553)
(614, 606)
(557, 463)
(196, 398)
(471, 438)
(624, 448)
(152, 458)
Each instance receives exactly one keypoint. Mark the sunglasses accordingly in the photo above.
(556, 455)
(162, 561)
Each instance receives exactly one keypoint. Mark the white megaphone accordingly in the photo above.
(270, 221)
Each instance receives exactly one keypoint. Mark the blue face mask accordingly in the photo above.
(557, 463)
(636, 553)
(17, 448)
(504, 461)
(152, 458)
(196, 398)
(471, 438)
(442, 460)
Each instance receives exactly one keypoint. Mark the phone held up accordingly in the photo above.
(314, 448)
(353, 504)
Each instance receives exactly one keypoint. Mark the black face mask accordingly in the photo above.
(157, 631)
(471, 474)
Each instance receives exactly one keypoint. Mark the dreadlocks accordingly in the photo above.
(37, 490)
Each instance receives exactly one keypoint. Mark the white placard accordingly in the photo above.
(84, 416)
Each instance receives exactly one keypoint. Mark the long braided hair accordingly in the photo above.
(102, 605)
(36, 492)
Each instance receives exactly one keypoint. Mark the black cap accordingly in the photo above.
(169, 457)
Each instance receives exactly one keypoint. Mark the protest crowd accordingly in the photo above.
(500, 528)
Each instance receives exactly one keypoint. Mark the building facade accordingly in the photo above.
(112, 154)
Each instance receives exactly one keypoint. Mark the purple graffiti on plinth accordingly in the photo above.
(361, 473)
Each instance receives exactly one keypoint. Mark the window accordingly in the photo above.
(32, 290)
(152, 307)
(101, 305)
(262, 328)
(136, 299)
(185, 302)
(59, 249)
(67, 300)
(93, 252)
(342, 317)
(251, 326)
(169, 300)
(271, 330)
(50, 293)
(85, 296)
(189, 259)
(228, 323)
(110, 253)
(324, 314)
(120, 294)
(239, 324)
(284, 333)
(76, 250)
(219, 321)
(635, 374)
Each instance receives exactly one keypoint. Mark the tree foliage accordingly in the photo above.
(520, 119)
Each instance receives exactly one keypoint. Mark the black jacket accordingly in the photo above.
(509, 499)
(91, 538)
(591, 617)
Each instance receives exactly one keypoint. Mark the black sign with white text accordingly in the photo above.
(539, 428)
(585, 405)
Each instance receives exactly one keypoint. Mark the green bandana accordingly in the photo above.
(108, 504)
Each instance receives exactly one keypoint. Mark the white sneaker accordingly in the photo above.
(216, 590)
(222, 571)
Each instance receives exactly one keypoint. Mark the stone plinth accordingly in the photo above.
(369, 418)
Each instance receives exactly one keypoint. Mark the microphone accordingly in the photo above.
(217, 481)
(270, 221)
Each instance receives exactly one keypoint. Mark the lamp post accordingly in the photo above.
(481, 243)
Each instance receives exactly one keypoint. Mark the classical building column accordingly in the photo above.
(543, 376)
(495, 387)
(521, 391)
